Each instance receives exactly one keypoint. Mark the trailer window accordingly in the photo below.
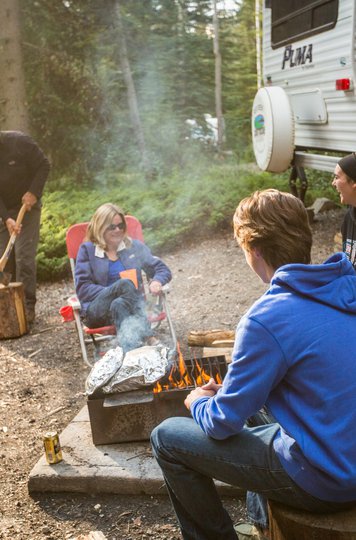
(297, 19)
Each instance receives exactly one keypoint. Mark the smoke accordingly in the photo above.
(132, 333)
(165, 90)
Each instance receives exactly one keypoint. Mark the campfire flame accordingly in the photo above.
(179, 376)
(203, 377)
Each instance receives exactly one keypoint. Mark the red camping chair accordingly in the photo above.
(157, 307)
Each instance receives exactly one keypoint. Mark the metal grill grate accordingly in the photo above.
(131, 416)
(214, 366)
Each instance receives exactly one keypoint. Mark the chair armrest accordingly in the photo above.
(73, 302)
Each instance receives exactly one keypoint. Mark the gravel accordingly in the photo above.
(42, 380)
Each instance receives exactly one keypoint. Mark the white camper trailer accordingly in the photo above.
(305, 113)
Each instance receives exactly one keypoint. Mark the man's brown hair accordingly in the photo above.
(276, 223)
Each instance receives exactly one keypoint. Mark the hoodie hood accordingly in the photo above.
(332, 283)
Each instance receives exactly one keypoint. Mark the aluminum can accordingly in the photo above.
(52, 447)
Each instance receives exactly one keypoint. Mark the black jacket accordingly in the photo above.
(348, 231)
(23, 167)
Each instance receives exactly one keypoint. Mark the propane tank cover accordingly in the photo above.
(272, 129)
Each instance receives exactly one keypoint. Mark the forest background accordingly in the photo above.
(144, 103)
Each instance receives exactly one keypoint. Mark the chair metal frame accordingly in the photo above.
(93, 336)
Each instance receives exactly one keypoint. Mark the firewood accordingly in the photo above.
(214, 351)
(206, 338)
(223, 343)
(13, 322)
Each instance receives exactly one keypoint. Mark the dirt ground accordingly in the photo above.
(42, 380)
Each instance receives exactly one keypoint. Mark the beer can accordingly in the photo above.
(52, 447)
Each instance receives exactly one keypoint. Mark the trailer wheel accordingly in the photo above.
(272, 129)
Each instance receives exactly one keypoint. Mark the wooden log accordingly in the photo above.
(207, 352)
(288, 523)
(13, 322)
(223, 343)
(206, 338)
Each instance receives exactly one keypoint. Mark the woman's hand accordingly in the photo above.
(155, 287)
(208, 390)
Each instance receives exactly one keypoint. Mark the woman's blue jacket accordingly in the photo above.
(92, 268)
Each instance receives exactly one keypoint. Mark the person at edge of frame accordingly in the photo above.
(24, 170)
(344, 182)
(281, 425)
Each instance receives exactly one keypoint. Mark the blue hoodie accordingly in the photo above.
(295, 351)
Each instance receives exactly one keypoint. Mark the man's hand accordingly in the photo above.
(212, 385)
(155, 287)
(12, 227)
(208, 390)
(29, 199)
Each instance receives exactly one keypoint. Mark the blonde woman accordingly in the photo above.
(105, 297)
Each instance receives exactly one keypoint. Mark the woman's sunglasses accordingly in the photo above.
(112, 227)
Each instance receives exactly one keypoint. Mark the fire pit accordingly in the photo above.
(131, 416)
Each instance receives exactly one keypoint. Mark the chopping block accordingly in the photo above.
(288, 523)
(13, 321)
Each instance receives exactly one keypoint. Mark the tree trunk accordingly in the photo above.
(218, 90)
(181, 82)
(13, 107)
(258, 43)
(130, 88)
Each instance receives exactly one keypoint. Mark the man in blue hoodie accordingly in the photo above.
(294, 353)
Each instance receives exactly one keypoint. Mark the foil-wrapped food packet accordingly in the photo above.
(140, 367)
(104, 369)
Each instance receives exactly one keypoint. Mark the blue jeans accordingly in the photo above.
(121, 304)
(190, 460)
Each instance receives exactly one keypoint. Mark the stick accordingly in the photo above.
(34, 353)
(54, 411)
(42, 331)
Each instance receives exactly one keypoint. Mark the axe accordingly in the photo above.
(5, 277)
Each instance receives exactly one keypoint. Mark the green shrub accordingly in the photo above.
(188, 203)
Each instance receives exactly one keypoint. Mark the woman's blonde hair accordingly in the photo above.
(276, 223)
(102, 218)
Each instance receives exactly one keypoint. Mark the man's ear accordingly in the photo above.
(256, 252)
